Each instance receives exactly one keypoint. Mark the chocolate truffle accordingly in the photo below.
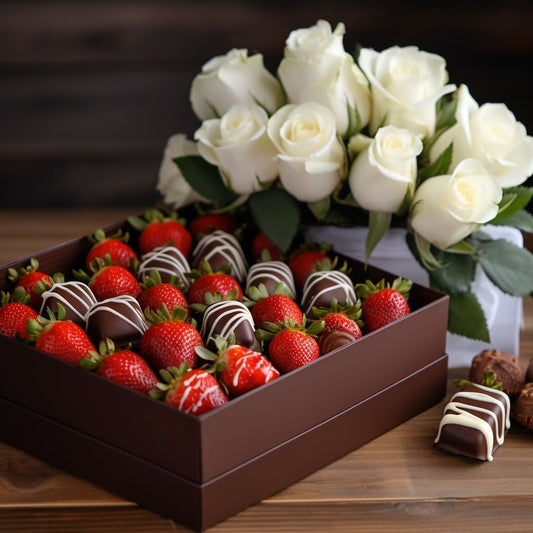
(75, 296)
(119, 319)
(529, 372)
(168, 261)
(323, 286)
(220, 249)
(505, 367)
(270, 274)
(334, 339)
(522, 410)
(229, 316)
(474, 422)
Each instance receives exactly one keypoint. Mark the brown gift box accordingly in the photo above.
(200, 470)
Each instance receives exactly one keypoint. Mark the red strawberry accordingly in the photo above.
(158, 229)
(238, 368)
(276, 308)
(204, 224)
(60, 338)
(15, 314)
(33, 281)
(191, 391)
(338, 318)
(109, 281)
(383, 303)
(307, 261)
(169, 341)
(124, 367)
(116, 246)
(262, 245)
(209, 284)
(156, 293)
(291, 349)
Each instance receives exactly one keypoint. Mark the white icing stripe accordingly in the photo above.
(127, 301)
(229, 323)
(275, 270)
(168, 260)
(78, 292)
(337, 280)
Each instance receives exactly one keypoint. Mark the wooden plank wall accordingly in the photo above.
(91, 89)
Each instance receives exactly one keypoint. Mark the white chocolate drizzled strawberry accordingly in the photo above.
(226, 317)
(323, 286)
(168, 261)
(221, 248)
(270, 273)
(75, 296)
(120, 319)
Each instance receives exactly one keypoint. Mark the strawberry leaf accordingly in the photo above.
(204, 178)
(466, 317)
(277, 215)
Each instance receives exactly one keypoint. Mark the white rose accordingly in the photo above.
(171, 183)
(492, 135)
(448, 208)
(239, 145)
(316, 68)
(385, 172)
(311, 157)
(231, 79)
(406, 84)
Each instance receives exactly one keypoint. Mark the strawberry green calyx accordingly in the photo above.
(19, 295)
(178, 314)
(170, 376)
(14, 275)
(211, 298)
(35, 327)
(353, 311)
(215, 357)
(489, 380)
(154, 278)
(154, 215)
(206, 269)
(100, 236)
(403, 286)
(256, 293)
(270, 330)
(95, 359)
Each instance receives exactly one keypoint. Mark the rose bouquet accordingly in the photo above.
(375, 138)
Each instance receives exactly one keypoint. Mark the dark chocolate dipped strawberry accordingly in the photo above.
(75, 296)
(171, 264)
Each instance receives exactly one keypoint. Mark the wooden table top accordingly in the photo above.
(397, 482)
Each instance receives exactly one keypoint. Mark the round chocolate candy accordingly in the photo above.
(119, 319)
(76, 298)
(323, 286)
(271, 274)
(504, 365)
(168, 261)
(220, 249)
(226, 317)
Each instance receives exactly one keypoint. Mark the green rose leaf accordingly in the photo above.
(456, 275)
(378, 224)
(204, 178)
(439, 167)
(522, 220)
(277, 215)
(508, 266)
(320, 208)
(513, 200)
(446, 109)
(466, 317)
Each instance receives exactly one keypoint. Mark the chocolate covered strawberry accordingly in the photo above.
(238, 368)
(155, 293)
(169, 340)
(15, 313)
(124, 366)
(60, 338)
(115, 246)
(33, 281)
(191, 391)
(382, 302)
(160, 229)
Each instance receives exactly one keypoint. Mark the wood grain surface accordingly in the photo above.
(397, 482)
